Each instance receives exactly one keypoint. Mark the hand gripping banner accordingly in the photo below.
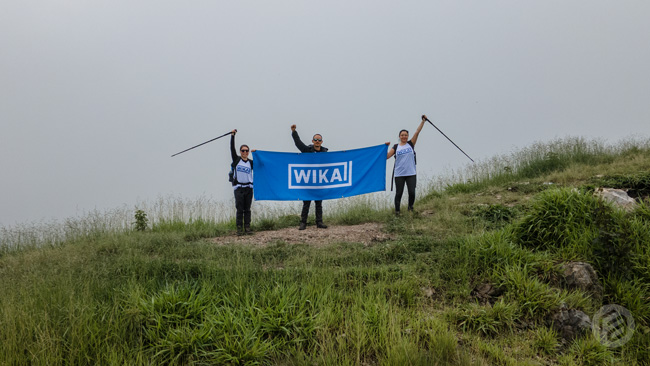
(283, 176)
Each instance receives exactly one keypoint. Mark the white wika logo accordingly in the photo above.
(320, 176)
(613, 325)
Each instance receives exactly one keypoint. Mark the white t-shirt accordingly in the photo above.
(243, 174)
(404, 160)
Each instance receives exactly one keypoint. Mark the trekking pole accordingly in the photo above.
(216, 138)
(461, 150)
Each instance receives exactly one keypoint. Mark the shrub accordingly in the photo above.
(496, 215)
(141, 220)
(546, 340)
(488, 320)
(557, 217)
(637, 184)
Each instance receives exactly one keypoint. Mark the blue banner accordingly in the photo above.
(283, 176)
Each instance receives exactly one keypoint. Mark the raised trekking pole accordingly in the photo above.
(216, 138)
(461, 150)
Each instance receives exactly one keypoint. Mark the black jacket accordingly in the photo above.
(304, 148)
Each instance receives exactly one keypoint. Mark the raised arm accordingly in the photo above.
(414, 139)
(296, 140)
(233, 150)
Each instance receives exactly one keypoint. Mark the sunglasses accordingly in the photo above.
(318, 140)
(244, 150)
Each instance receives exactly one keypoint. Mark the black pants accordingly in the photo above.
(305, 211)
(243, 200)
(399, 190)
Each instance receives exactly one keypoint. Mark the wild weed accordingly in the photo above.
(546, 340)
(488, 320)
(589, 351)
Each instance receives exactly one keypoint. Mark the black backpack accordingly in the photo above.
(231, 174)
(415, 158)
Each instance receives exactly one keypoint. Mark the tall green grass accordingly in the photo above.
(94, 290)
(536, 161)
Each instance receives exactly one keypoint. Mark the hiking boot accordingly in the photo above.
(248, 231)
(240, 231)
(303, 226)
(320, 225)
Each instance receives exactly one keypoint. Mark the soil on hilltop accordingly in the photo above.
(367, 234)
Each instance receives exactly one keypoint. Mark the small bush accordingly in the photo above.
(638, 184)
(496, 215)
(488, 320)
(546, 340)
(589, 351)
(557, 217)
(536, 298)
(141, 220)
(642, 210)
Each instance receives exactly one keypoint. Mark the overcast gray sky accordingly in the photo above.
(95, 96)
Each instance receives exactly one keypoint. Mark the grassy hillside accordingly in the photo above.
(98, 292)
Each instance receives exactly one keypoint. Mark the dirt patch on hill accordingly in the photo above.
(367, 234)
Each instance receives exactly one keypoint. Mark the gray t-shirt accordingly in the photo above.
(404, 160)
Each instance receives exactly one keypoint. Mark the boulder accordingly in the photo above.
(618, 197)
(570, 323)
(581, 276)
(487, 293)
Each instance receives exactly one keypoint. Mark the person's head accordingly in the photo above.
(317, 140)
(244, 150)
(404, 136)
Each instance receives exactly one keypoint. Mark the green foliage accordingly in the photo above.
(95, 291)
(526, 187)
(195, 322)
(589, 352)
(496, 252)
(557, 217)
(536, 298)
(550, 162)
(642, 210)
(631, 294)
(194, 229)
(141, 220)
(612, 246)
(467, 187)
(496, 215)
(488, 320)
(546, 340)
(270, 223)
(570, 221)
(638, 183)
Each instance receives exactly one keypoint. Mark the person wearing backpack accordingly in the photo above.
(241, 177)
(404, 170)
(315, 147)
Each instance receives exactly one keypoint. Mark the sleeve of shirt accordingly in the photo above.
(233, 151)
(299, 144)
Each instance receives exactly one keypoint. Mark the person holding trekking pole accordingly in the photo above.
(315, 147)
(404, 170)
(241, 177)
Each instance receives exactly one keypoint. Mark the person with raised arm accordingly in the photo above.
(405, 170)
(242, 183)
(315, 147)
